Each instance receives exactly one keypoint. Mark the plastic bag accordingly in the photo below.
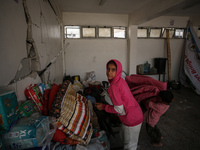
(107, 97)
(93, 145)
(34, 93)
(35, 131)
(91, 76)
(27, 109)
(77, 86)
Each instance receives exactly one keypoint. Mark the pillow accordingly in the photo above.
(52, 95)
(74, 119)
(56, 105)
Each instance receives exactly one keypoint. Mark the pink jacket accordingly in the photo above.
(156, 109)
(124, 103)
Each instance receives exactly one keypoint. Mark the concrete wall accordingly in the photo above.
(148, 49)
(46, 33)
(85, 55)
(13, 39)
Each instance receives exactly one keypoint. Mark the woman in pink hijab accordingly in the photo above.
(124, 104)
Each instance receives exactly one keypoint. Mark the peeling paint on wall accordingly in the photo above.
(31, 47)
(31, 63)
(23, 84)
(36, 39)
(28, 45)
(24, 68)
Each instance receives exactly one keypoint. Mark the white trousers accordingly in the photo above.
(130, 136)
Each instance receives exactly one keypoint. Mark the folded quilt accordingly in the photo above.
(72, 113)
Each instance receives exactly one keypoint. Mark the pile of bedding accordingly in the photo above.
(144, 87)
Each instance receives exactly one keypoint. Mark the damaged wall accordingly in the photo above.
(30, 39)
(13, 39)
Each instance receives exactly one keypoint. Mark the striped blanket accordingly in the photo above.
(74, 117)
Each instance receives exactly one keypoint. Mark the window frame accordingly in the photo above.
(65, 31)
(111, 32)
(95, 29)
(184, 33)
(162, 32)
(96, 32)
(166, 32)
(119, 27)
(149, 32)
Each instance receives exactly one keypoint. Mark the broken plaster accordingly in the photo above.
(24, 68)
(31, 63)
(31, 46)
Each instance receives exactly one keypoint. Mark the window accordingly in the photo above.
(155, 33)
(119, 32)
(171, 32)
(89, 32)
(179, 33)
(72, 31)
(142, 33)
(104, 32)
(94, 32)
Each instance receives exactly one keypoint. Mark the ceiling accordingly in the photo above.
(101, 6)
(180, 8)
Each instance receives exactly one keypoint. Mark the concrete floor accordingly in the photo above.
(180, 125)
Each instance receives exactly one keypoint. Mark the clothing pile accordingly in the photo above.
(56, 117)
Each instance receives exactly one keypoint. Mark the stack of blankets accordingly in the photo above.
(72, 114)
(144, 87)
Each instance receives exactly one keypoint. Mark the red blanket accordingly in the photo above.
(143, 87)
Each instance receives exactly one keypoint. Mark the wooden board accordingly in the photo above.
(168, 55)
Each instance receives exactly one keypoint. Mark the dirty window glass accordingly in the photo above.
(104, 32)
(72, 31)
(88, 31)
(155, 33)
(179, 33)
(171, 32)
(119, 32)
(142, 33)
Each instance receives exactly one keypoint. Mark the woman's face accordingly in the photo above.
(111, 71)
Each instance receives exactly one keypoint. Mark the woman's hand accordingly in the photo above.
(99, 106)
